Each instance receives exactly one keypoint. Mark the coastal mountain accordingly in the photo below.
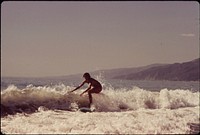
(187, 71)
(112, 73)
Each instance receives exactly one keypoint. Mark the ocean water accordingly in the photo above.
(123, 107)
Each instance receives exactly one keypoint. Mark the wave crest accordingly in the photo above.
(32, 99)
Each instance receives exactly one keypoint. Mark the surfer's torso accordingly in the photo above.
(94, 83)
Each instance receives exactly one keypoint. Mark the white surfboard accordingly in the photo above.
(85, 109)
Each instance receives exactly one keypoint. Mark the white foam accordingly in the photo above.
(117, 111)
(141, 121)
(58, 97)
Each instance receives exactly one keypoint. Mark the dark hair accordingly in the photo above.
(86, 75)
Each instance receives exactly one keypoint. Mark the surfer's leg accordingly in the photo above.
(90, 98)
(93, 90)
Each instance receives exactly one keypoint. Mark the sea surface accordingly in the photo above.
(45, 106)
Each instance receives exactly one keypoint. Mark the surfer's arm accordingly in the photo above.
(79, 86)
(86, 90)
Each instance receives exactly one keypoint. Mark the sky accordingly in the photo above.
(40, 39)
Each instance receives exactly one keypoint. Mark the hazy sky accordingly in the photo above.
(60, 38)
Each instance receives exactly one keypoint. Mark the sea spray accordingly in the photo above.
(58, 97)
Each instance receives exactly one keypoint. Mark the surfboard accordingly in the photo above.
(85, 109)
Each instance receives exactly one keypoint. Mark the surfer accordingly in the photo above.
(94, 86)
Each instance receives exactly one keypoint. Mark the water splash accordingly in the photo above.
(57, 97)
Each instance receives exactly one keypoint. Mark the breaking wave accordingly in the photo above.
(32, 99)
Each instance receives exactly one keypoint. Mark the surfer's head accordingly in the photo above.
(86, 76)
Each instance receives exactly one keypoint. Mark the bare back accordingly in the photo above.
(94, 83)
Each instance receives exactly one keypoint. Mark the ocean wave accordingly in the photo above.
(32, 99)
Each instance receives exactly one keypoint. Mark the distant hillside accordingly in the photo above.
(187, 71)
(112, 73)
